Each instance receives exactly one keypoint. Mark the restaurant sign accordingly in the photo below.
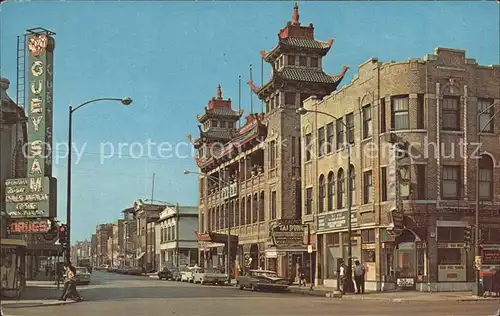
(29, 226)
(286, 233)
(335, 221)
(33, 196)
(229, 191)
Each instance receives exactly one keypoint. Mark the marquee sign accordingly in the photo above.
(28, 226)
(34, 196)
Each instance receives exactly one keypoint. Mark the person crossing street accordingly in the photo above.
(69, 289)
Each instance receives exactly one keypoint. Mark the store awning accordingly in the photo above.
(216, 238)
(140, 255)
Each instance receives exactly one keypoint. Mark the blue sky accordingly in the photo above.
(170, 56)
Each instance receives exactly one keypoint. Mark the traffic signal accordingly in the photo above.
(468, 235)
(63, 235)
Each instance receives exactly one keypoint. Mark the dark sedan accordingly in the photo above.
(165, 274)
(259, 280)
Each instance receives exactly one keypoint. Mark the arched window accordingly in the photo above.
(209, 221)
(19, 162)
(249, 210)
(486, 178)
(242, 212)
(255, 208)
(331, 191)
(321, 194)
(261, 207)
(352, 184)
(340, 188)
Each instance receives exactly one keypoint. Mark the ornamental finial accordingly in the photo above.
(295, 14)
(219, 92)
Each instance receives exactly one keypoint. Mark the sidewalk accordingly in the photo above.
(394, 296)
(37, 293)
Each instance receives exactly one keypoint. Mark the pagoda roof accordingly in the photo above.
(217, 112)
(251, 130)
(296, 44)
(291, 73)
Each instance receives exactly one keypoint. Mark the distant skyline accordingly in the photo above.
(169, 58)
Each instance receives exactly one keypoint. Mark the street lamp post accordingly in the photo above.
(348, 190)
(226, 183)
(477, 251)
(125, 101)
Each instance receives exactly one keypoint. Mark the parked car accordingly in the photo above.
(209, 276)
(133, 271)
(165, 273)
(82, 275)
(187, 275)
(258, 280)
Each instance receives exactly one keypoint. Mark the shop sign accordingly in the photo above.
(229, 191)
(29, 226)
(405, 282)
(287, 233)
(396, 226)
(335, 221)
(32, 196)
(27, 198)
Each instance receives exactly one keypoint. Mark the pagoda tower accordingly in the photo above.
(297, 73)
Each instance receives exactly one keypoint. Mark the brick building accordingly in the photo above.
(412, 206)
(103, 233)
(250, 175)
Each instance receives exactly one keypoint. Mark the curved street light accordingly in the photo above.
(303, 111)
(124, 101)
(226, 183)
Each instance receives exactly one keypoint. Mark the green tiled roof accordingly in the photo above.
(304, 74)
(304, 43)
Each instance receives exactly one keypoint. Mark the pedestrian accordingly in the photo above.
(342, 277)
(359, 277)
(302, 276)
(69, 289)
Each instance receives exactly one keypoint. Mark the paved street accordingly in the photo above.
(114, 294)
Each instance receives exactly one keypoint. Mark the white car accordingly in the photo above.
(187, 275)
(209, 276)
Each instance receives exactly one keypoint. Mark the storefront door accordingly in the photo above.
(406, 265)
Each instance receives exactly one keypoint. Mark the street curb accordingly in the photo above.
(310, 293)
(25, 305)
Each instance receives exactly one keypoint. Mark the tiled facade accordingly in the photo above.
(425, 102)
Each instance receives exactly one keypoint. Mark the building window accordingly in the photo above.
(329, 138)
(262, 204)
(272, 154)
(451, 114)
(242, 212)
(340, 189)
(321, 141)
(230, 124)
(486, 178)
(382, 116)
(368, 186)
(331, 191)
(449, 256)
(289, 98)
(367, 121)
(308, 145)
(291, 60)
(314, 62)
(451, 182)
(273, 205)
(420, 111)
(350, 127)
(383, 183)
(321, 194)
(352, 184)
(309, 200)
(400, 115)
(485, 113)
(302, 61)
(340, 133)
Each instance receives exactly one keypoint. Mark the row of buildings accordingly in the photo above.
(150, 236)
(410, 150)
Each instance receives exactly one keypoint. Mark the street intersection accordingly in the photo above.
(115, 294)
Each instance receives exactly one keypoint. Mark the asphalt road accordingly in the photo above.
(114, 294)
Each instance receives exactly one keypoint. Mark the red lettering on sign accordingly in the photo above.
(28, 227)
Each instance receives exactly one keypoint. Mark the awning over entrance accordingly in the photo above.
(140, 255)
(216, 238)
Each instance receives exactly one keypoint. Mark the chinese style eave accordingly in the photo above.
(293, 45)
(218, 113)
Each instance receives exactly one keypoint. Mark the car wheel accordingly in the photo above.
(241, 287)
(254, 288)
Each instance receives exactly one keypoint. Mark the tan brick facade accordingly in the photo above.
(426, 89)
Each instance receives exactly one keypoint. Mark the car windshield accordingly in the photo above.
(81, 270)
(266, 273)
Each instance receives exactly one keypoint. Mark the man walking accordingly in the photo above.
(359, 277)
(70, 284)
